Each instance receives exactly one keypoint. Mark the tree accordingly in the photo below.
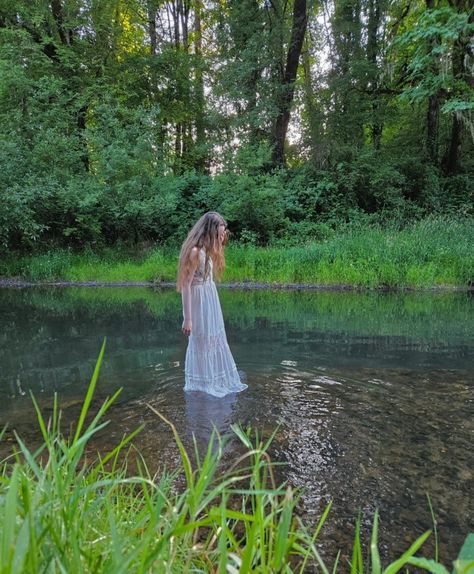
(463, 81)
(287, 87)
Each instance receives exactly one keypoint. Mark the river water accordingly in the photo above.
(372, 394)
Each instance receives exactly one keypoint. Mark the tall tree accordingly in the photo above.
(201, 160)
(287, 88)
(373, 50)
(462, 66)
(312, 112)
(347, 78)
(432, 120)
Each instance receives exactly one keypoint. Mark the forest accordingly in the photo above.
(336, 138)
(122, 121)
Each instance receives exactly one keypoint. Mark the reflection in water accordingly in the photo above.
(205, 412)
(372, 393)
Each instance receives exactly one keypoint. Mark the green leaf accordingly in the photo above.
(90, 394)
(430, 565)
(242, 436)
(374, 551)
(357, 564)
(9, 521)
(464, 563)
(283, 530)
(398, 564)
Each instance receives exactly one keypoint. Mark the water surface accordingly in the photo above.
(373, 393)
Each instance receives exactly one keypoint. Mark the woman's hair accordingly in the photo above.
(204, 235)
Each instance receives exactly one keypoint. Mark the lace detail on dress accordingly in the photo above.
(199, 277)
(208, 343)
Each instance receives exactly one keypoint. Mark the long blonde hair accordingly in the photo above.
(203, 235)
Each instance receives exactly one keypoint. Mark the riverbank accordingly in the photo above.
(21, 284)
(430, 254)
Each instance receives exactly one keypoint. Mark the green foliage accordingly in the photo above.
(251, 204)
(432, 39)
(104, 141)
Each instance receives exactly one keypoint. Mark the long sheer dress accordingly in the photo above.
(209, 365)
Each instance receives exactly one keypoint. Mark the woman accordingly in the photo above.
(209, 365)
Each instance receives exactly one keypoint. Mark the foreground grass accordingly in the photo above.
(61, 512)
(428, 253)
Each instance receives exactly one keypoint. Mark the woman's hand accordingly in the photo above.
(186, 328)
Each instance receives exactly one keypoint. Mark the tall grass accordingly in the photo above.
(425, 254)
(428, 253)
(63, 511)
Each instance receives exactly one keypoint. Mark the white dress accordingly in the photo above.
(209, 365)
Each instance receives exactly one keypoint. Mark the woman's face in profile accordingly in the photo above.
(222, 232)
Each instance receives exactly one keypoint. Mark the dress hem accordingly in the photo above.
(188, 389)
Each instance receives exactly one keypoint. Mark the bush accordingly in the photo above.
(251, 204)
(19, 224)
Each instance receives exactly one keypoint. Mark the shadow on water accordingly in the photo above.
(372, 394)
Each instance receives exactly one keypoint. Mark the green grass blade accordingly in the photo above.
(464, 564)
(188, 471)
(320, 524)
(425, 564)
(3, 431)
(283, 530)
(222, 542)
(242, 435)
(435, 527)
(319, 560)
(374, 551)
(21, 547)
(400, 563)
(126, 440)
(336, 562)
(41, 422)
(9, 521)
(250, 546)
(463, 567)
(29, 457)
(89, 394)
(357, 562)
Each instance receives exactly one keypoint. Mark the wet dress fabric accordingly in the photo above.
(209, 364)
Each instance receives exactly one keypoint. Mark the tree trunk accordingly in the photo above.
(347, 82)
(151, 9)
(199, 89)
(451, 158)
(298, 30)
(81, 124)
(183, 10)
(432, 118)
(252, 82)
(433, 128)
(372, 53)
(460, 73)
(178, 151)
(451, 163)
(57, 11)
(312, 113)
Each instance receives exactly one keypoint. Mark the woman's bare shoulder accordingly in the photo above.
(194, 255)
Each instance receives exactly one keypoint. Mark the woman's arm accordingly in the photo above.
(186, 293)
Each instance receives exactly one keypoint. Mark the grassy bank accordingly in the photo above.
(64, 510)
(428, 253)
